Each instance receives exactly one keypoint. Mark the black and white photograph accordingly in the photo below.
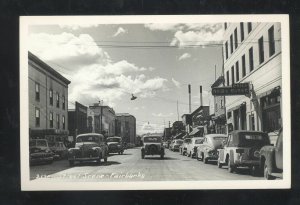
(155, 102)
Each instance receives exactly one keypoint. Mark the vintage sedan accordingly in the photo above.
(209, 149)
(40, 152)
(183, 147)
(115, 145)
(88, 147)
(193, 145)
(175, 145)
(152, 145)
(271, 159)
(242, 149)
(59, 149)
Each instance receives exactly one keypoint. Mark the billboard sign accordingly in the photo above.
(235, 89)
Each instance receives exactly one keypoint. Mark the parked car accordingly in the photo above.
(242, 148)
(59, 149)
(115, 145)
(271, 161)
(209, 149)
(183, 147)
(191, 149)
(171, 144)
(152, 145)
(176, 144)
(88, 147)
(40, 152)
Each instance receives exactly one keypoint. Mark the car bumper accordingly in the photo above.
(83, 158)
(40, 160)
(114, 150)
(247, 162)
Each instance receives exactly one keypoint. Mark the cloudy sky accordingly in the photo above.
(155, 62)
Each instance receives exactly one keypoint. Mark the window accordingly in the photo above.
(251, 66)
(243, 66)
(242, 31)
(261, 50)
(232, 75)
(237, 71)
(57, 121)
(51, 96)
(271, 41)
(231, 44)
(226, 49)
(227, 76)
(235, 38)
(63, 122)
(51, 119)
(37, 91)
(249, 27)
(37, 117)
(225, 26)
(57, 99)
(63, 102)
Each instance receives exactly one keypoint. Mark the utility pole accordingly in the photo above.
(215, 72)
(169, 124)
(177, 112)
(189, 89)
(201, 101)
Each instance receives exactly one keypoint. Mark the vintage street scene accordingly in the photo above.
(155, 102)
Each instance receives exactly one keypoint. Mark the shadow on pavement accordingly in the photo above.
(158, 158)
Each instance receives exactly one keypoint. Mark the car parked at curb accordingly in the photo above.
(88, 147)
(191, 149)
(152, 145)
(40, 152)
(115, 145)
(208, 150)
(59, 149)
(271, 159)
(175, 145)
(242, 149)
(183, 147)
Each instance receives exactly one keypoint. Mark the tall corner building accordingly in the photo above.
(252, 54)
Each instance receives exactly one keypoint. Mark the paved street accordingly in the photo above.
(130, 167)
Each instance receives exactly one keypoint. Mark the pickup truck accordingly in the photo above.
(271, 159)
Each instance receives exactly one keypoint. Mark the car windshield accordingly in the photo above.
(152, 139)
(187, 140)
(88, 138)
(41, 143)
(198, 141)
(115, 139)
(217, 141)
(178, 142)
(250, 139)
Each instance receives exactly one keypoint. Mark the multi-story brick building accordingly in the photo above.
(252, 54)
(48, 101)
(126, 127)
(104, 119)
(77, 120)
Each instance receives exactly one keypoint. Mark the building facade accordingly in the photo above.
(48, 101)
(219, 117)
(77, 120)
(252, 54)
(104, 119)
(126, 127)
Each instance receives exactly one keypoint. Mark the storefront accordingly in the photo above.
(51, 135)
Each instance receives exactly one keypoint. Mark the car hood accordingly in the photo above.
(111, 143)
(86, 145)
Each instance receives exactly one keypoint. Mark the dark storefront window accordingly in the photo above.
(271, 112)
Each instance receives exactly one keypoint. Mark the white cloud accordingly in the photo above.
(67, 49)
(184, 56)
(163, 27)
(120, 31)
(78, 26)
(176, 83)
(151, 128)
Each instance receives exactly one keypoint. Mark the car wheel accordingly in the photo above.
(105, 159)
(231, 167)
(205, 160)
(99, 160)
(143, 155)
(71, 163)
(219, 164)
(202, 157)
(267, 174)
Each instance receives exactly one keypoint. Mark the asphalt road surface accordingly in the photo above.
(130, 167)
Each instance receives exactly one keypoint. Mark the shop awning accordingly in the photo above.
(194, 132)
(272, 91)
(236, 107)
(179, 136)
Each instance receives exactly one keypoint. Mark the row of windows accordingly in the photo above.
(234, 44)
(51, 119)
(57, 98)
(235, 70)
